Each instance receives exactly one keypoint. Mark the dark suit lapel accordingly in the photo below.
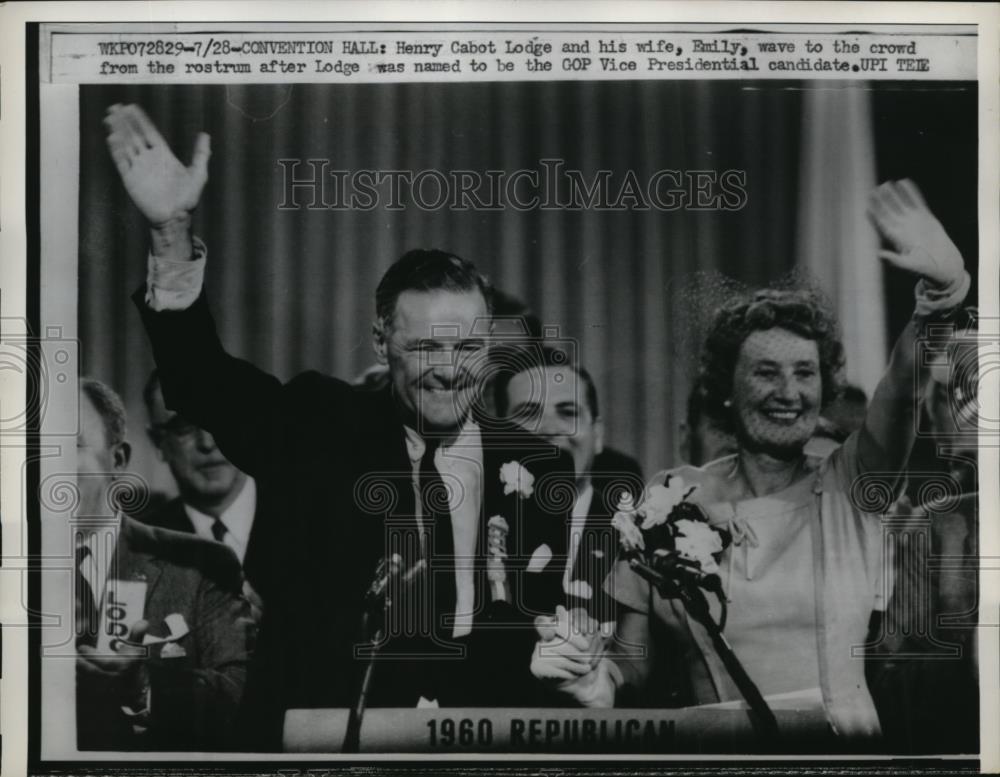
(180, 520)
(595, 556)
(172, 516)
(494, 500)
(387, 447)
(590, 527)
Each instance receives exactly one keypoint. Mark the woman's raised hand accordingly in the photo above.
(919, 243)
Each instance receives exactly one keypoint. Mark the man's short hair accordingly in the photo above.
(428, 270)
(507, 306)
(109, 406)
(511, 360)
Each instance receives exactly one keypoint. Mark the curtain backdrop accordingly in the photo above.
(838, 244)
(293, 289)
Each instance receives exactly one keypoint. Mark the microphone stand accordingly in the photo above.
(761, 718)
(377, 604)
(352, 737)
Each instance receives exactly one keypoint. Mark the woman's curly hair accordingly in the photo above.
(803, 312)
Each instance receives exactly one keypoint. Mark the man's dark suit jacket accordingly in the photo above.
(335, 460)
(169, 514)
(195, 697)
(172, 515)
(613, 473)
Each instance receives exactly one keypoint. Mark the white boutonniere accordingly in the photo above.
(516, 478)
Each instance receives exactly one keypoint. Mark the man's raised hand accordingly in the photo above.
(919, 243)
(161, 187)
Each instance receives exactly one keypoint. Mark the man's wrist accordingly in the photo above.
(599, 687)
(614, 672)
(937, 299)
(171, 239)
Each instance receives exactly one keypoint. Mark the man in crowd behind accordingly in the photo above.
(173, 676)
(538, 388)
(215, 500)
(922, 666)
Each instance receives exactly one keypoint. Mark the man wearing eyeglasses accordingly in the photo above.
(163, 636)
(216, 500)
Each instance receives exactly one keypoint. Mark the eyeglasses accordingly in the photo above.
(176, 427)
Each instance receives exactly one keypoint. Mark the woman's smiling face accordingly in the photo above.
(777, 391)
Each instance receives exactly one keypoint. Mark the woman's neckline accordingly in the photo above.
(804, 480)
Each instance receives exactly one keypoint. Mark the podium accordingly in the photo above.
(709, 729)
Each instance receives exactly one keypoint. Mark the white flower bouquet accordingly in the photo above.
(668, 539)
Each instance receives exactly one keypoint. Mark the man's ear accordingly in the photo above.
(380, 342)
(120, 456)
(598, 436)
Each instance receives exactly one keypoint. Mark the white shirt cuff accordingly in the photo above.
(935, 300)
(175, 285)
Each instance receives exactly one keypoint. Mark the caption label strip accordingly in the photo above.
(264, 56)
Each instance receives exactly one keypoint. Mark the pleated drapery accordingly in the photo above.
(838, 245)
(293, 289)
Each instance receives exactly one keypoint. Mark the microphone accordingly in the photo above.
(674, 576)
(379, 582)
(377, 601)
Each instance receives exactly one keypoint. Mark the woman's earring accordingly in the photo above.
(727, 403)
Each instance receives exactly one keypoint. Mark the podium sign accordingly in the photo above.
(688, 730)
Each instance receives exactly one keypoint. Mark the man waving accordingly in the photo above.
(414, 470)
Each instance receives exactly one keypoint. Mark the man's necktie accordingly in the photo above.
(219, 530)
(87, 616)
(437, 517)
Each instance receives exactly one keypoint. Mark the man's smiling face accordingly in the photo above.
(551, 402)
(435, 345)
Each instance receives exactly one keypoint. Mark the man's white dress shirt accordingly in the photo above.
(461, 460)
(237, 518)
